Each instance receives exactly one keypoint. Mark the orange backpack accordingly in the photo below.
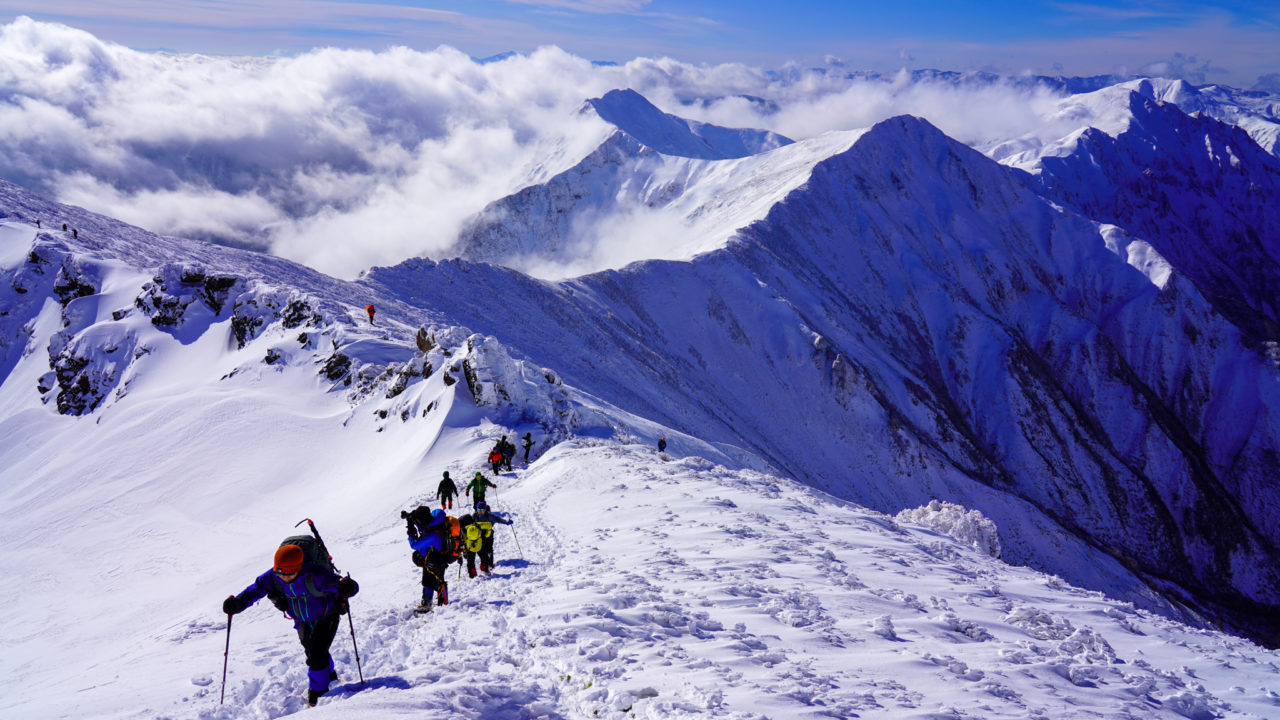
(454, 544)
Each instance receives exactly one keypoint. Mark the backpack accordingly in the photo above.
(421, 519)
(474, 538)
(313, 557)
(419, 525)
(453, 539)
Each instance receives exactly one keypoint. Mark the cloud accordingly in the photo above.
(1183, 67)
(1268, 83)
(344, 159)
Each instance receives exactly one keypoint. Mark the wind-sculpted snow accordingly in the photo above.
(633, 587)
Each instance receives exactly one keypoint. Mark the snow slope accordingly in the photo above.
(632, 584)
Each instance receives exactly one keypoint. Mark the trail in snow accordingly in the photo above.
(680, 589)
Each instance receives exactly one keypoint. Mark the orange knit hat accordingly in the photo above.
(288, 559)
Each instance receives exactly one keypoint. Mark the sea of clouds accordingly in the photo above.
(346, 159)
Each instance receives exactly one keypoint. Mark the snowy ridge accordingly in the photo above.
(901, 288)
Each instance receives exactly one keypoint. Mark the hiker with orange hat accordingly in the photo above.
(313, 596)
(369, 309)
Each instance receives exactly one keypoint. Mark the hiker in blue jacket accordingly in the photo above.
(484, 519)
(313, 597)
(429, 538)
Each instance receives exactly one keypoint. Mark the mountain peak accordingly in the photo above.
(668, 134)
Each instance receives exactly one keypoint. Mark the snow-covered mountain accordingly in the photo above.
(1200, 191)
(657, 186)
(932, 315)
(632, 584)
(885, 317)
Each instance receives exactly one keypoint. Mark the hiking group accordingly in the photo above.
(439, 539)
(304, 584)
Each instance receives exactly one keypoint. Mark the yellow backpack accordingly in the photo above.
(473, 538)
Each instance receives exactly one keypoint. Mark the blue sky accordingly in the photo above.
(1230, 42)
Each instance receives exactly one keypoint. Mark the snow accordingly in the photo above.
(627, 202)
(15, 243)
(868, 314)
(633, 583)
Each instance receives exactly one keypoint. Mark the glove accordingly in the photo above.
(347, 587)
(232, 605)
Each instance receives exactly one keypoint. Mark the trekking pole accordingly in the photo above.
(225, 656)
(513, 537)
(350, 623)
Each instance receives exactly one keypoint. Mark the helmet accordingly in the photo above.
(437, 516)
(446, 474)
(482, 505)
(479, 474)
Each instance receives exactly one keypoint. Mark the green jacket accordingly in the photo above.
(479, 484)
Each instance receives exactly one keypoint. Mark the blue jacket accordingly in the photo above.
(429, 542)
(430, 539)
(303, 605)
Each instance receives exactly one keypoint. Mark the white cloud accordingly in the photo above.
(343, 159)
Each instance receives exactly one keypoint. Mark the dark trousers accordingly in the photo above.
(316, 638)
(446, 501)
(433, 579)
(486, 553)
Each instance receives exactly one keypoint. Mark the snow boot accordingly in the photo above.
(444, 593)
(313, 696)
(471, 572)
